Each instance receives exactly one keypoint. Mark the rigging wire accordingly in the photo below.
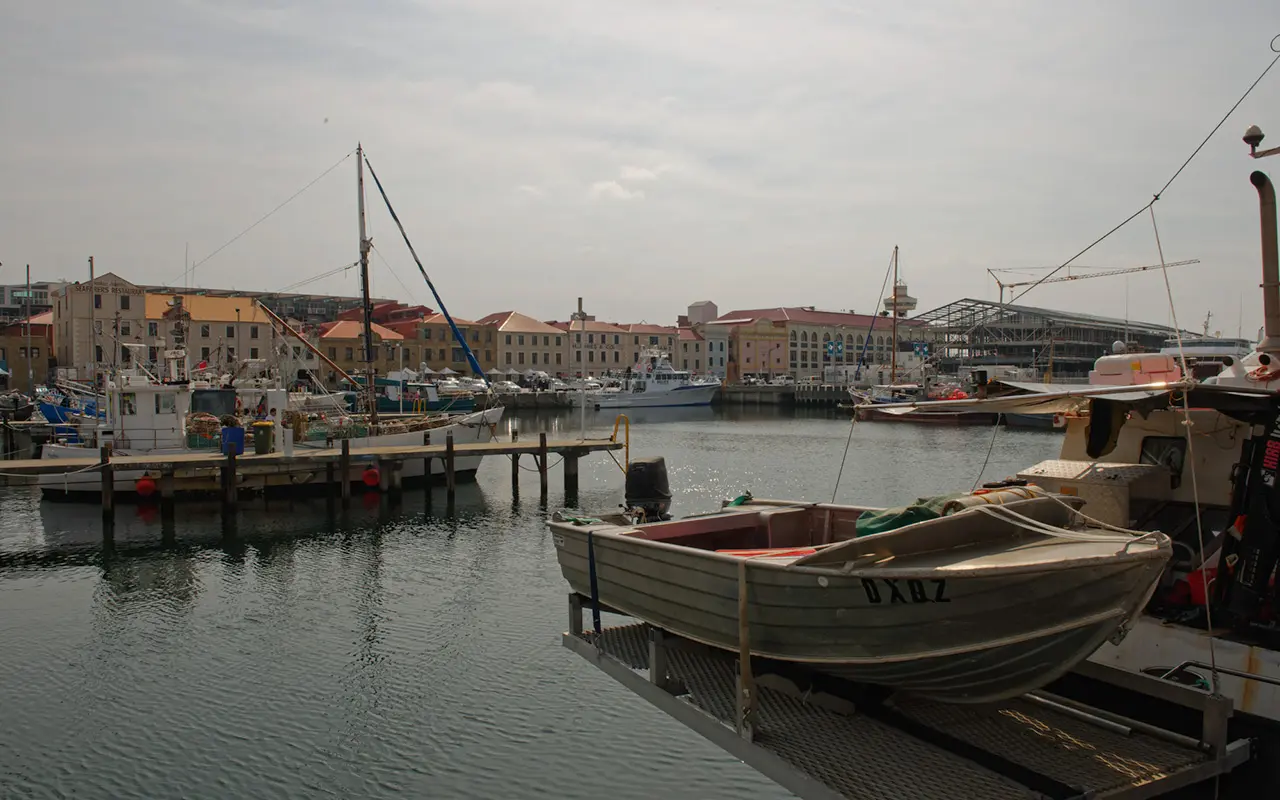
(1169, 182)
(298, 284)
(264, 217)
(1191, 456)
(408, 292)
(990, 447)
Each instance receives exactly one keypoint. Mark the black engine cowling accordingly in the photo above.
(647, 488)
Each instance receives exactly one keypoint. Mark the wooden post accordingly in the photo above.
(571, 472)
(384, 476)
(397, 477)
(426, 465)
(542, 465)
(166, 492)
(344, 472)
(230, 492)
(450, 479)
(515, 464)
(108, 486)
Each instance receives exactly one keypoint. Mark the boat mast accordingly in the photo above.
(364, 291)
(93, 333)
(893, 332)
(31, 381)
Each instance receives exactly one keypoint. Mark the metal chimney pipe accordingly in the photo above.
(1270, 263)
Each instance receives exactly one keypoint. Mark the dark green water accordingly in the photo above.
(388, 653)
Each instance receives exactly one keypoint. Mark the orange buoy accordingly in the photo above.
(145, 486)
(371, 477)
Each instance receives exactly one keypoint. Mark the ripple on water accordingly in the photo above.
(386, 655)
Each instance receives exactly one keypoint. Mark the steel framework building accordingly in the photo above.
(981, 332)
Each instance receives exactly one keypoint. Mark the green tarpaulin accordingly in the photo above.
(893, 518)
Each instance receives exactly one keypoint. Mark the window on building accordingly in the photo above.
(577, 356)
(152, 356)
(521, 358)
(204, 331)
(591, 338)
(577, 338)
(351, 353)
(125, 329)
(508, 338)
(653, 341)
(697, 347)
(442, 354)
(475, 337)
(616, 356)
(557, 341)
(533, 357)
(97, 301)
(520, 340)
(684, 364)
(508, 358)
(153, 329)
(253, 331)
(204, 353)
(253, 352)
(333, 352)
(488, 355)
(231, 331)
(637, 341)
(231, 354)
(557, 359)
(591, 355)
(124, 302)
(458, 358)
(617, 339)
(684, 347)
(546, 358)
(722, 361)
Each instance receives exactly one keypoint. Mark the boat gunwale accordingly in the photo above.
(1161, 547)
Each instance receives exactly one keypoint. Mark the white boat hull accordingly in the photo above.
(693, 395)
(87, 485)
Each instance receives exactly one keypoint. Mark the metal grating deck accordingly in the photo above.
(1015, 749)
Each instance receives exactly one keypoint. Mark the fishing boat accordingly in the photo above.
(184, 411)
(652, 383)
(923, 607)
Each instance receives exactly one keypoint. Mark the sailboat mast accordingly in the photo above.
(893, 333)
(366, 302)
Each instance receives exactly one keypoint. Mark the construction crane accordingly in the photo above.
(1105, 272)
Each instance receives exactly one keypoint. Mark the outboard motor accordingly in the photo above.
(647, 490)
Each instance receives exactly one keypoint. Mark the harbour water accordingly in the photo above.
(390, 652)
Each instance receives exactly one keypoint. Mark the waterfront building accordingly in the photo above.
(26, 352)
(523, 343)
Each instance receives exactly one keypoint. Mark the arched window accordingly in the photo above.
(879, 341)
(826, 337)
(859, 341)
(804, 337)
(793, 337)
(848, 340)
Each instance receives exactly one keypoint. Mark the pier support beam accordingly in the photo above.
(570, 474)
(542, 466)
(108, 487)
(344, 472)
(450, 477)
(515, 465)
(230, 491)
(426, 469)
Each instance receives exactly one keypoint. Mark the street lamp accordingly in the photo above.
(1270, 257)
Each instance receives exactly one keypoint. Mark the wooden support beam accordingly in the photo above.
(426, 467)
(397, 477)
(384, 476)
(542, 465)
(108, 485)
(344, 472)
(515, 465)
(571, 472)
(450, 478)
(230, 490)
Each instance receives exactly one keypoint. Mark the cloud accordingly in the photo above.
(642, 173)
(612, 190)
(525, 190)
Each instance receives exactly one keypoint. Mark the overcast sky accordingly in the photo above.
(643, 155)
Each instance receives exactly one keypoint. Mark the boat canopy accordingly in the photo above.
(1247, 405)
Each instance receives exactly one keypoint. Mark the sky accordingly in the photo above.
(645, 155)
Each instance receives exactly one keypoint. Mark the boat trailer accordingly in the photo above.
(823, 738)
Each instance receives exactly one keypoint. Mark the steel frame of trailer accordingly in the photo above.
(823, 738)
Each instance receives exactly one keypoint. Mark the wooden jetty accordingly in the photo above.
(228, 474)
